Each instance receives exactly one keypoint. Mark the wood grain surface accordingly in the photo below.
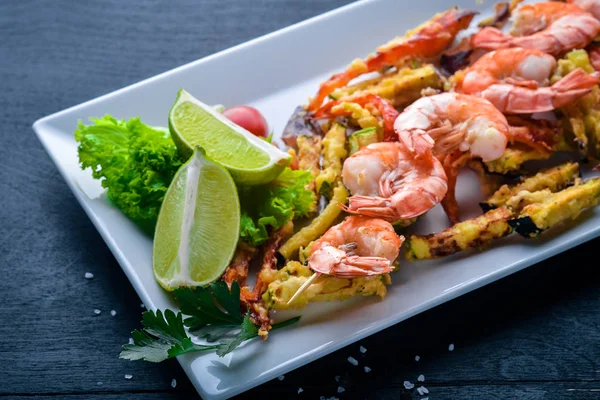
(534, 335)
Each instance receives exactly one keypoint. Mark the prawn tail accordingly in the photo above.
(594, 53)
(576, 84)
(374, 207)
(490, 39)
(356, 266)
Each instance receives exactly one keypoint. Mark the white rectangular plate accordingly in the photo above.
(280, 71)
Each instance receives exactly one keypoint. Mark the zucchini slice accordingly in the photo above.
(470, 234)
(556, 208)
(555, 179)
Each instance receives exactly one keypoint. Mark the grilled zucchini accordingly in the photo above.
(334, 153)
(470, 234)
(309, 153)
(554, 179)
(318, 226)
(513, 158)
(558, 207)
(581, 118)
(400, 88)
(326, 288)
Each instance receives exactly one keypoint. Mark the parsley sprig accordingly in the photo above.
(212, 314)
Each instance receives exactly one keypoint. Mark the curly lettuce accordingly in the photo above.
(135, 162)
(273, 205)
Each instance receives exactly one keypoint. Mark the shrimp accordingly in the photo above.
(387, 182)
(449, 121)
(551, 27)
(428, 41)
(591, 6)
(356, 247)
(515, 80)
(385, 108)
(457, 127)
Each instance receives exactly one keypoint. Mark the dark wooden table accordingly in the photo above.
(534, 335)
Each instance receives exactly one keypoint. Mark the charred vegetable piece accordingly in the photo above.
(362, 138)
(556, 208)
(334, 153)
(581, 118)
(300, 124)
(400, 87)
(555, 179)
(326, 288)
(471, 234)
(309, 153)
(513, 159)
(318, 226)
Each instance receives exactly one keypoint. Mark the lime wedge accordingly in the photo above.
(249, 159)
(198, 225)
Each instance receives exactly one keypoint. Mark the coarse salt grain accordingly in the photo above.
(300, 390)
(131, 341)
(421, 378)
(408, 385)
(363, 350)
(113, 312)
(142, 305)
(352, 361)
(97, 312)
(422, 390)
(367, 369)
(127, 376)
(88, 275)
(341, 389)
(337, 378)
(451, 347)
(281, 377)
(174, 383)
(417, 358)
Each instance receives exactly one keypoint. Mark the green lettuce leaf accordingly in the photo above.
(274, 204)
(135, 162)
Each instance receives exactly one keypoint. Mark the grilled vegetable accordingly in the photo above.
(300, 124)
(401, 87)
(513, 158)
(362, 138)
(334, 153)
(556, 208)
(582, 117)
(555, 179)
(318, 226)
(471, 234)
(309, 153)
(326, 288)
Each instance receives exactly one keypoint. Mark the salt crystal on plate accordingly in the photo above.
(127, 376)
(142, 305)
(281, 377)
(417, 358)
(97, 312)
(352, 361)
(421, 378)
(363, 350)
(174, 383)
(300, 390)
(408, 385)
(451, 347)
(113, 312)
(88, 275)
(337, 378)
(341, 389)
(367, 369)
(422, 390)
(131, 341)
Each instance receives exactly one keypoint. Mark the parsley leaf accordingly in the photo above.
(212, 313)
